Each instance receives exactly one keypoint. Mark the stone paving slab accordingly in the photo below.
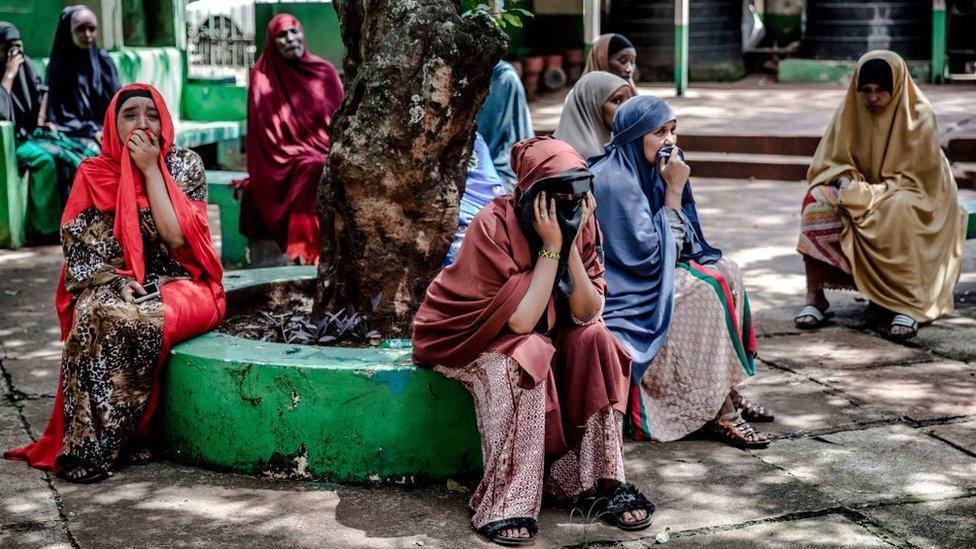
(803, 406)
(28, 513)
(831, 531)
(962, 434)
(702, 483)
(948, 524)
(951, 337)
(836, 348)
(877, 464)
(924, 391)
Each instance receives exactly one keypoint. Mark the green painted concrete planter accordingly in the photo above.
(298, 411)
(822, 70)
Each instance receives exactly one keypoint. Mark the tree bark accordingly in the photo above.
(416, 75)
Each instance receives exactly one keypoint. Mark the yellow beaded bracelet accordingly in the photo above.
(549, 253)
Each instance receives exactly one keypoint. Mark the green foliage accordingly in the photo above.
(510, 17)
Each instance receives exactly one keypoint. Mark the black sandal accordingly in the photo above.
(625, 497)
(140, 455)
(91, 475)
(492, 529)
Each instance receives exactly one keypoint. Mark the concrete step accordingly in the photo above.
(962, 149)
(792, 145)
(965, 174)
(745, 166)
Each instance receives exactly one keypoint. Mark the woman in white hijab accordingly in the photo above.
(588, 113)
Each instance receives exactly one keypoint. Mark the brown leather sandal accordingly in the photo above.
(751, 411)
(735, 431)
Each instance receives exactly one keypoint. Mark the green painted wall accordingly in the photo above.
(36, 19)
(153, 22)
(319, 19)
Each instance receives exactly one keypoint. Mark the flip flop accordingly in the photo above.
(820, 317)
(904, 321)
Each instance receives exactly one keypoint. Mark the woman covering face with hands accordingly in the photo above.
(674, 303)
(516, 318)
(136, 218)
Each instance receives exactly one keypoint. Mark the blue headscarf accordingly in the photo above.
(504, 119)
(481, 187)
(640, 250)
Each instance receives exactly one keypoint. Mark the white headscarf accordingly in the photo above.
(581, 123)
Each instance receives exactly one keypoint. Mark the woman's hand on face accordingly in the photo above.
(545, 222)
(589, 206)
(144, 150)
(675, 173)
(130, 290)
(13, 65)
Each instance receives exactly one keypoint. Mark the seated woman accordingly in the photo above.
(48, 159)
(81, 78)
(291, 100)
(587, 115)
(615, 54)
(674, 303)
(481, 187)
(504, 119)
(136, 219)
(516, 319)
(882, 215)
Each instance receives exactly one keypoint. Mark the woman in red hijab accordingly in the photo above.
(291, 100)
(136, 219)
(517, 319)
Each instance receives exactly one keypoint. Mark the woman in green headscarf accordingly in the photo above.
(48, 158)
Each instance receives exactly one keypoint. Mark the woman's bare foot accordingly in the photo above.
(516, 533)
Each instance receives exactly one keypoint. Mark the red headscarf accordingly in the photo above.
(290, 108)
(467, 307)
(111, 184)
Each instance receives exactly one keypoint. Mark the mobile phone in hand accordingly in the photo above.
(152, 292)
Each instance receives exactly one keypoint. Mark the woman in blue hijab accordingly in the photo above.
(504, 119)
(481, 187)
(674, 303)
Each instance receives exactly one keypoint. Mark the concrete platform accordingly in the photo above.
(848, 468)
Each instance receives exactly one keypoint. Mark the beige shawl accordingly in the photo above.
(581, 122)
(903, 227)
(599, 58)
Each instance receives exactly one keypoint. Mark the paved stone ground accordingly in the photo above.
(757, 105)
(876, 442)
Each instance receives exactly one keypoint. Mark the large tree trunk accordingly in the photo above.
(415, 75)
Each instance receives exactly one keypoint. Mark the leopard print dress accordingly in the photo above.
(113, 347)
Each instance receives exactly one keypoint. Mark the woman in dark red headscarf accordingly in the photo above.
(136, 218)
(517, 319)
(291, 100)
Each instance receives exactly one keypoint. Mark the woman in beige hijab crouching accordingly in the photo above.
(882, 216)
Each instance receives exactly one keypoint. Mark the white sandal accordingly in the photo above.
(819, 317)
(906, 322)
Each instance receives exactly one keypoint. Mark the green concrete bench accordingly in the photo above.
(233, 245)
(970, 206)
(326, 413)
